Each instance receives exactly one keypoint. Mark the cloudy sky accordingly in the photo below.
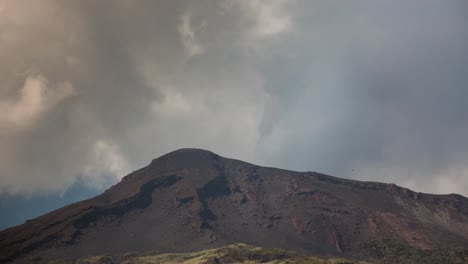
(363, 89)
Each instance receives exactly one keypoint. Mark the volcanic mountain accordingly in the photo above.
(193, 199)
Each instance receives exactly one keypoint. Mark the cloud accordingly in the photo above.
(373, 98)
(137, 96)
(105, 160)
(58, 138)
(35, 98)
(187, 33)
(272, 17)
(342, 88)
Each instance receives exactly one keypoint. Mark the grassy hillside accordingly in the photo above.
(237, 253)
(383, 252)
(392, 251)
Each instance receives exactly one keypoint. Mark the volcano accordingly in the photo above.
(193, 199)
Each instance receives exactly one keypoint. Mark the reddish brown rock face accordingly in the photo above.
(193, 199)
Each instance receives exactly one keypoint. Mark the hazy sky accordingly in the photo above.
(371, 90)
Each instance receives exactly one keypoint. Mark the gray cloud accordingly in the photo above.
(371, 90)
(382, 96)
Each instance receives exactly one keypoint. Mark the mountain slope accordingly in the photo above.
(242, 253)
(193, 199)
(236, 253)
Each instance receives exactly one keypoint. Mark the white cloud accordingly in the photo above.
(187, 33)
(105, 161)
(35, 97)
(449, 180)
(271, 16)
(173, 103)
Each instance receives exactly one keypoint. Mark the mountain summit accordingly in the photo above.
(193, 199)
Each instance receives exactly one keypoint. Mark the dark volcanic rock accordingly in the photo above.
(193, 199)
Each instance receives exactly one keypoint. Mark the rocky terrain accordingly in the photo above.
(191, 200)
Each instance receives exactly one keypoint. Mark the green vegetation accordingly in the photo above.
(383, 252)
(236, 253)
(392, 251)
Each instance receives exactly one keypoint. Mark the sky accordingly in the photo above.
(366, 89)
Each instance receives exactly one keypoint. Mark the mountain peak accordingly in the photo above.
(184, 158)
(192, 199)
(188, 152)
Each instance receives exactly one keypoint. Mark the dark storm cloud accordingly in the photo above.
(372, 90)
(384, 96)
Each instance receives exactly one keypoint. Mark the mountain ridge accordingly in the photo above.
(199, 150)
(193, 199)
